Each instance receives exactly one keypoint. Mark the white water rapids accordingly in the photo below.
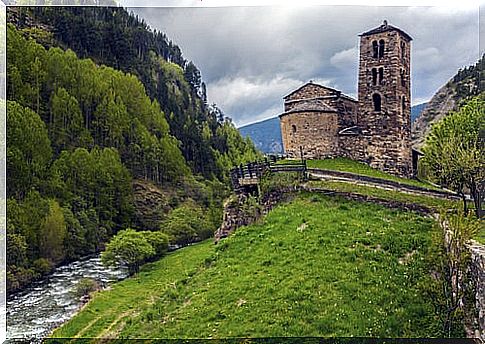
(46, 304)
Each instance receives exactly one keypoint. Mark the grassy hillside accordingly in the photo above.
(316, 266)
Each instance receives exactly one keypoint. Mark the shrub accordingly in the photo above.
(42, 266)
(85, 286)
(188, 223)
(158, 240)
(130, 248)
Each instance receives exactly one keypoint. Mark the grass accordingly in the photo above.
(391, 195)
(348, 165)
(316, 266)
(480, 237)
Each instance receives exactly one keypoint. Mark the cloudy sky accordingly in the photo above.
(250, 57)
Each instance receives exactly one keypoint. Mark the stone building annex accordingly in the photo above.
(322, 122)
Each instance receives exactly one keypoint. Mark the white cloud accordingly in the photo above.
(247, 95)
(345, 59)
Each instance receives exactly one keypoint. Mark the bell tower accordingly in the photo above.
(384, 92)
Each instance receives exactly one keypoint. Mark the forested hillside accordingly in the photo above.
(113, 37)
(80, 133)
(467, 82)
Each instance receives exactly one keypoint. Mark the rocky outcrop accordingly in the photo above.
(437, 108)
(151, 204)
(238, 212)
(467, 82)
(242, 209)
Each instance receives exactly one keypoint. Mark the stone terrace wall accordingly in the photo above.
(477, 267)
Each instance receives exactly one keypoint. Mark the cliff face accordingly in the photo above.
(467, 82)
(438, 107)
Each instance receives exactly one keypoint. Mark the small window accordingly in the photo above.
(293, 128)
(374, 49)
(381, 75)
(381, 48)
(374, 76)
(376, 99)
(403, 104)
(403, 50)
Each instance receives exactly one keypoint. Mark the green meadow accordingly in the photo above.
(315, 266)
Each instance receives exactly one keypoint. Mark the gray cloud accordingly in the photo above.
(250, 57)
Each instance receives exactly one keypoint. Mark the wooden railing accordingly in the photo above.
(251, 173)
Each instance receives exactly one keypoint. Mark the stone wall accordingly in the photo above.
(354, 147)
(315, 132)
(477, 267)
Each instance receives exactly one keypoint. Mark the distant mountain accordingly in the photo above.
(467, 82)
(266, 134)
(416, 110)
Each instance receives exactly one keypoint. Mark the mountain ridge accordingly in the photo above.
(466, 82)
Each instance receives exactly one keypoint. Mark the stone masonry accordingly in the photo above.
(321, 122)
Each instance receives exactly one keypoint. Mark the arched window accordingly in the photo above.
(403, 82)
(374, 49)
(374, 76)
(376, 99)
(381, 75)
(381, 48)
(293, 128)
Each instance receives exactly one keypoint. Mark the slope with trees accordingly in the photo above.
(116, 38)
(468, 82)
(79, 134)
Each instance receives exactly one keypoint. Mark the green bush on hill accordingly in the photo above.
(131, 248)
(187, 223)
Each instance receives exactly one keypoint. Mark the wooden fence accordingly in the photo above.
(251, 173)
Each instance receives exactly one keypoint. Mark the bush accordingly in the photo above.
(85, 286)
(132, 248)
(159, 242)
(186, 224)
(42, 266)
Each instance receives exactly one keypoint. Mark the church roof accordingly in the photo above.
(311, 83)
(312, 105)
(385, 27)
(333, 90)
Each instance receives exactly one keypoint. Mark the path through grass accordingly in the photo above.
(348, 165)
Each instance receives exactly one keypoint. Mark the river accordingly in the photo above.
(46, 304)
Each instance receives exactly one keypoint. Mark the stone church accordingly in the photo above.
(322, 122)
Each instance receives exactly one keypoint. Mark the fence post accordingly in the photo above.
(250, 170)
